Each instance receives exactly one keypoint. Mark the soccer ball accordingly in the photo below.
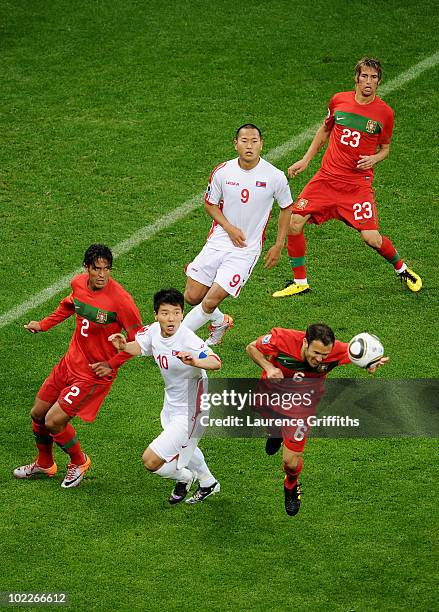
(365, 349)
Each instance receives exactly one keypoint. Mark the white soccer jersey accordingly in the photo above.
(246, 199)
(182, 382)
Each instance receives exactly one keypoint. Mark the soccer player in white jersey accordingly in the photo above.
(182, 358)
(239, 198)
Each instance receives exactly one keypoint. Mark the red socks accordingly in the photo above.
(44, 443)
(68, 441)
(389, 252)
(292, 475)
(296, 247)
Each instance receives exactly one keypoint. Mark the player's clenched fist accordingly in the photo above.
(186, 357)
(118, 341)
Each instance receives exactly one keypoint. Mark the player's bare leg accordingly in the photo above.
(184, 477)
(292, 466)
(194, 292)
(207, 300)
(385, 248)
(296, 247)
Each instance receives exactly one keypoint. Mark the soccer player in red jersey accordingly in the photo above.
(79, 383)
(359, 127)
(288, 353)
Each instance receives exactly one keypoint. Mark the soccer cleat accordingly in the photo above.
(33, 470)
(75, 473)
(292, 499)
(272, 445)
(291, 288)
(216, 332)
(412, 280)
(180, 491)
(202, 492)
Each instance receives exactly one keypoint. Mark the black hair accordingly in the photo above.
(320, 331)
(369, 62)
(95, 252)
(171, 296)
(248, 126)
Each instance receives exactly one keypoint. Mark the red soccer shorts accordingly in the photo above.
(77, 397)
(326, 199)
(295, 440)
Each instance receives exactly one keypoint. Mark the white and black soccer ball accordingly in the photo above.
(365, 350)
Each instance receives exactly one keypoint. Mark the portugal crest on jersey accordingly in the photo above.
(301, 204)
(371, 126)
(101, 316)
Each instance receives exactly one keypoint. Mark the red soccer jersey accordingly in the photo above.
(98, 314)
(356, 129)
(283, 348)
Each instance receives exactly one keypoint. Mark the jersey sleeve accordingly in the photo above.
(205, 351)
(329, 121)
(65, 310)
(129, 318)
(267, 344)
(342, 352)
(144, 339)
(214, 191)
(387, 131)
(198, 347)
(283, 192)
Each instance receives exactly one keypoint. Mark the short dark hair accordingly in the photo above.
(248, 126)
(320, 331)
(370, 62)
(95, 252)
(171, 296)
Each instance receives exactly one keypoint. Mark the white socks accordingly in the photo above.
(301, 281)
(196, 318)
(198, 465)
(169, 470)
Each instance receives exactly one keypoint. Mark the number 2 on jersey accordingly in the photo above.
(84, 327)
(245, 194)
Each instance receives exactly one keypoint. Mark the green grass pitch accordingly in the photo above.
(113, 114)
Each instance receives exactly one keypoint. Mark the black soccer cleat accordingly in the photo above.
(180, 491)
(272, 445)
(292, 499)
(202, 492)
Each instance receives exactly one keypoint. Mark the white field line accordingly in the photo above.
(148, 231)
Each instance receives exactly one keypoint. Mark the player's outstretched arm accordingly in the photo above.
(211, 362)
(273, 254)
(120, 343)
(33, 327)
(255, 355)
(378, 364)
(318, 142)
